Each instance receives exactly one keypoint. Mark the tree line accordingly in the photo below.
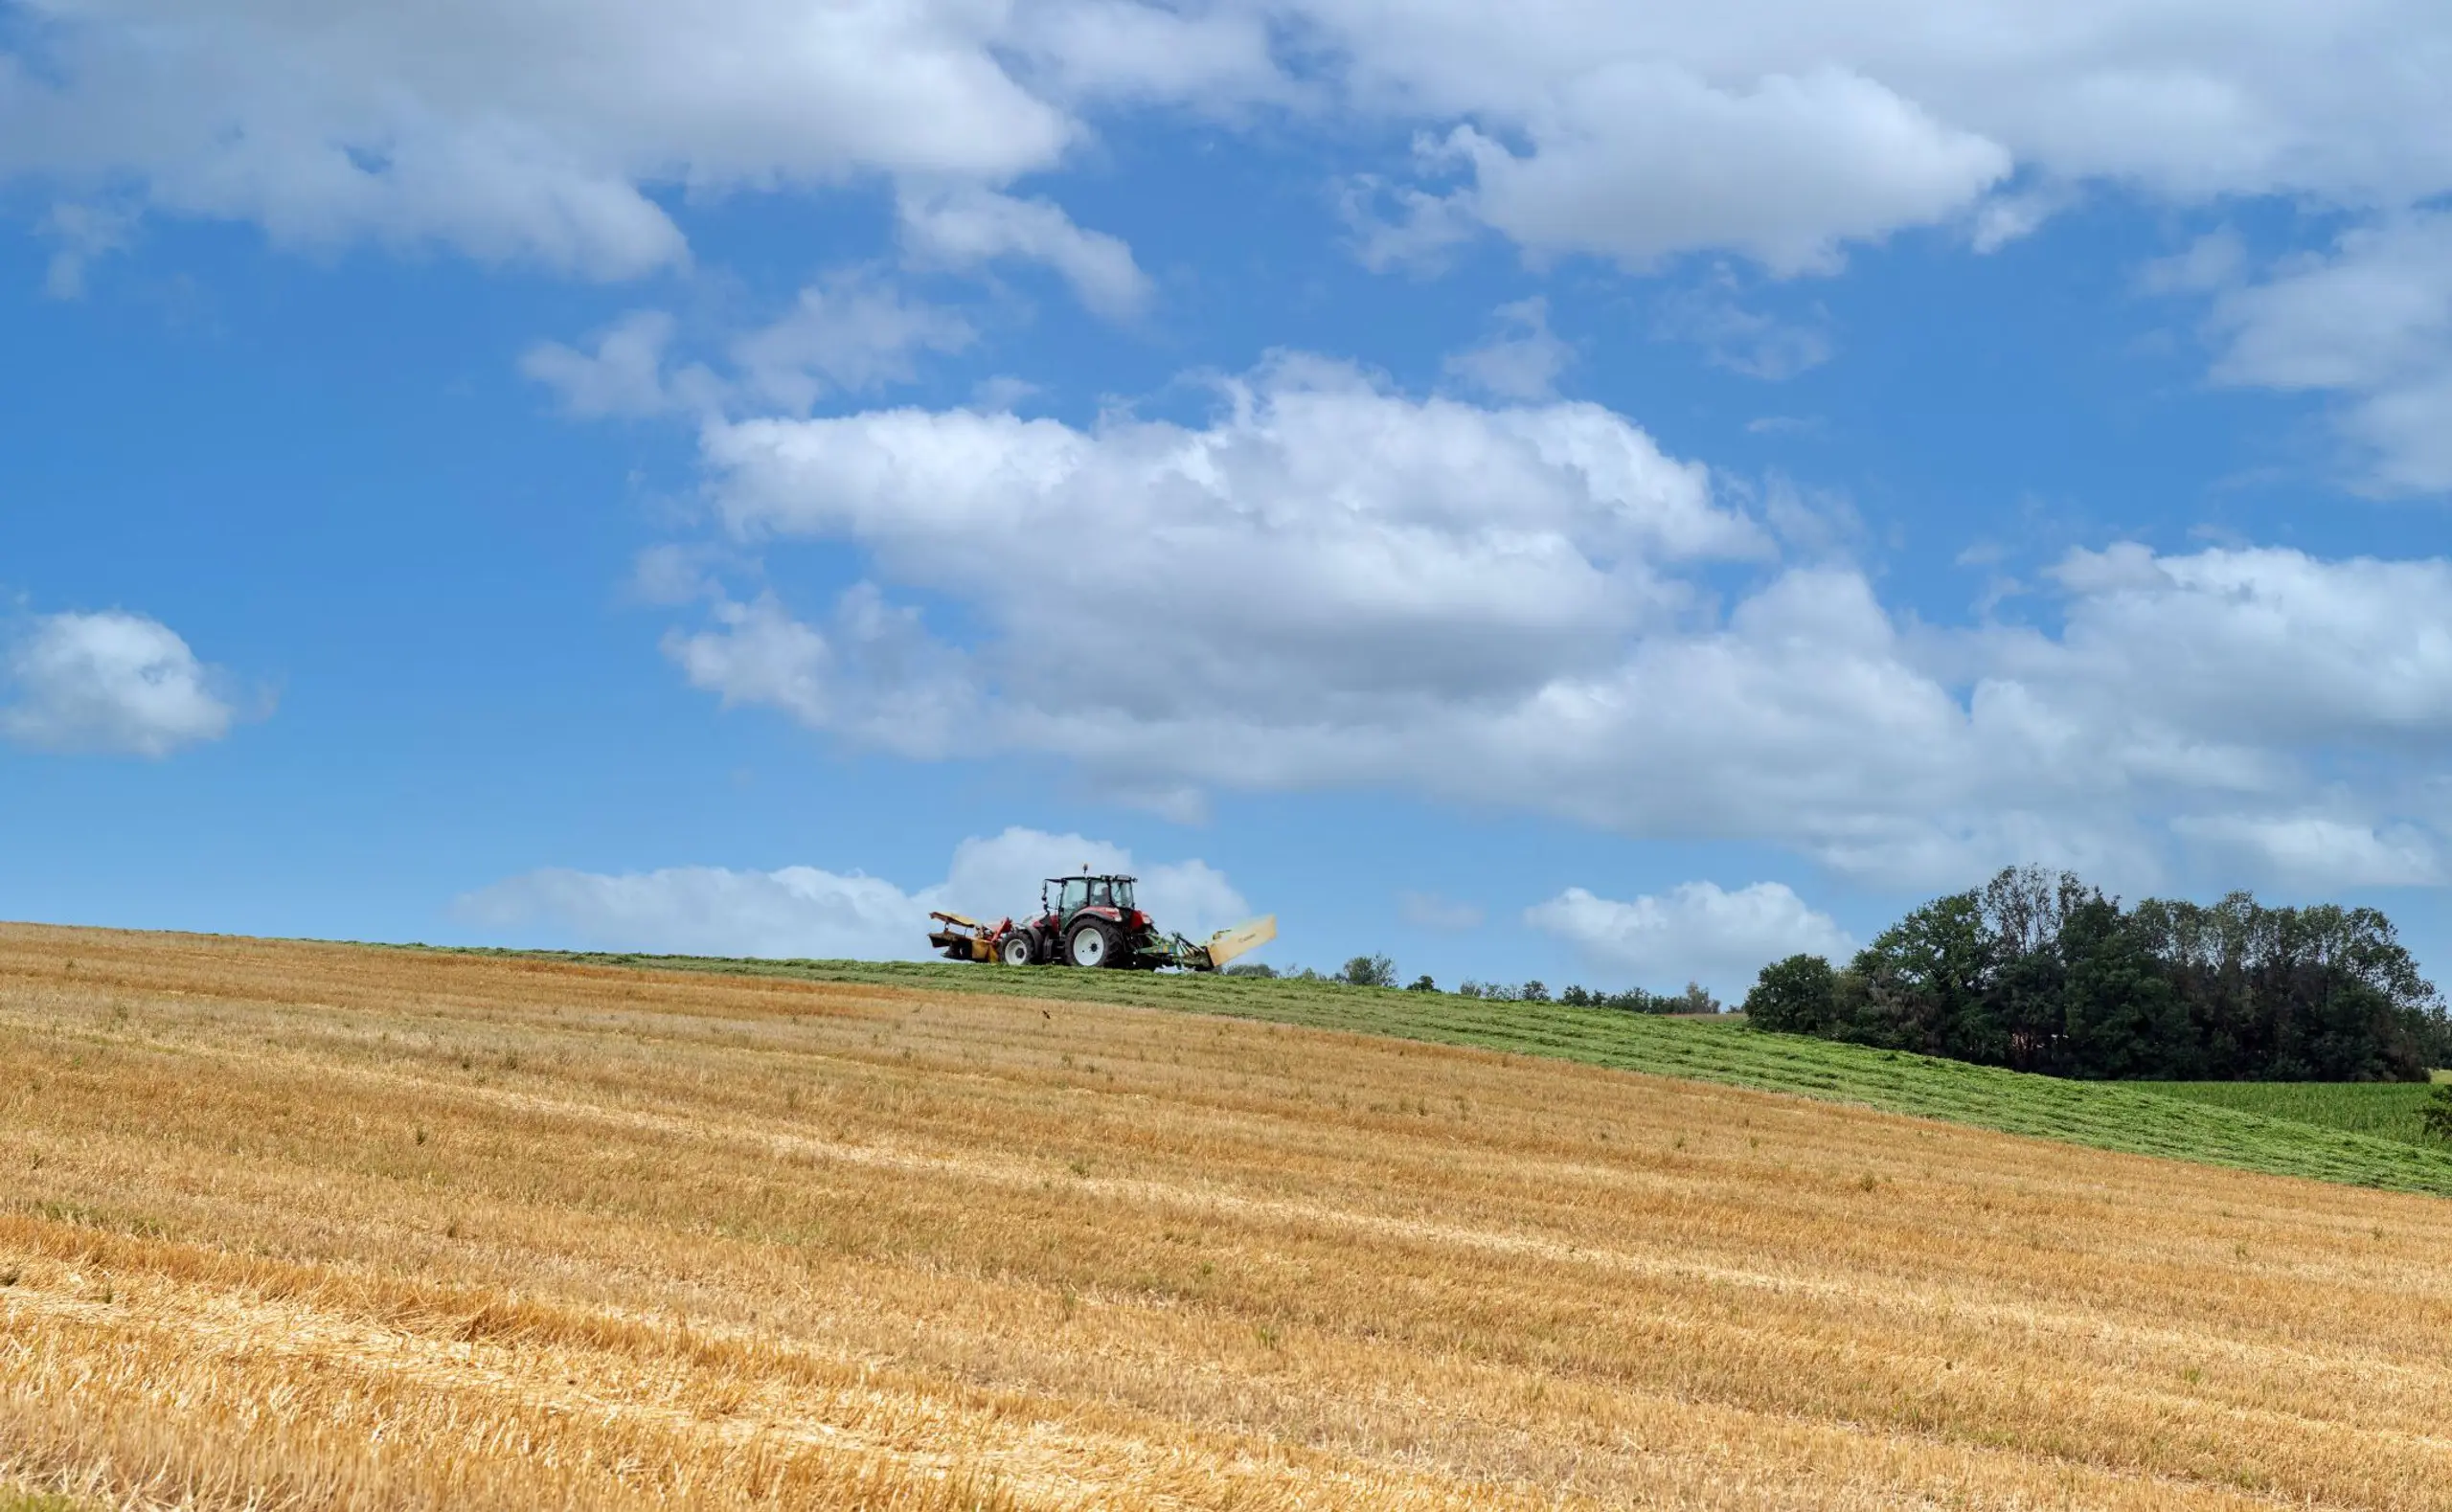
(2038, 971)
(1380, 971)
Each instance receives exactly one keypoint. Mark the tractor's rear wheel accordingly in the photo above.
(1016, 949)
(1090, 944)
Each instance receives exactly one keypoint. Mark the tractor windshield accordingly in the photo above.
(1074, 892)
(1123, 893)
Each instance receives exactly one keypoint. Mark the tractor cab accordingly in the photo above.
(1072, 894)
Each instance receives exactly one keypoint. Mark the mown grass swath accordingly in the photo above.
(2390, 1110)
(2107, 1116)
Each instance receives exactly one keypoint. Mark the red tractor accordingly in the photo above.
(1091, 921)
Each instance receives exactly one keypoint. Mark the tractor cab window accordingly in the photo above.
(1123, 893)
(1099, 892)
(1074, 892)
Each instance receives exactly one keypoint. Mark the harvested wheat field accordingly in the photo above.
(293, 1224)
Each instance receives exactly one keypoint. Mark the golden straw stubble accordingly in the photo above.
(294, 1224)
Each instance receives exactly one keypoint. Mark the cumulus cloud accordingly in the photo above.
(111, 682)
(1328, 583)
(1775, 129)
(1416, 552)
(805, 913)
(1786, 130)
(1697, 931)
(1636, 161)
(2370, 323)
(502, 129)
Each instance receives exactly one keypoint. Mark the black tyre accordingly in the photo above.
(1091, 944)
(1016, 949)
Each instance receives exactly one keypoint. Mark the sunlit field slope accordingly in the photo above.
(313, 1226)
(2366, 1136)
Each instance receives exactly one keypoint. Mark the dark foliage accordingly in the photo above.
(1369, 971)
(2040, 972)
(2437, 1115)
(1795, 996)
(1635, 999)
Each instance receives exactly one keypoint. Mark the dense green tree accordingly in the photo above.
(2038, 971)
(1923, 981)
(2121, 1017)
(1795, 996)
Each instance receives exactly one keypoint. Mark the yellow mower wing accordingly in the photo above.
(1243, 939)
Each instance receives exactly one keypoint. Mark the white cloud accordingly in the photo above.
(802, 912)
(964, 226)
(793, 913)
(871, 674)
(2214, 261)
(2008, 217)
(2315, 851)
(852, 332)
(1399, 226)
(1329, 584)
(1775, 129)
(1523, 361)
(110, 681)
(1411, 552)
(81, 233)
(1784, 130)
(509, 129)
(2371, 323)
(624, 375)
(1637, 160)
(1697, 931)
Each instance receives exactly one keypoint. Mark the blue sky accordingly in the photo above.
(1537, 491)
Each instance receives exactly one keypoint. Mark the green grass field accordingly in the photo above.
(2363, 1136)
(2389, 1110)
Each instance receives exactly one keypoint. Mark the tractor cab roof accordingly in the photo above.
(1093, 876)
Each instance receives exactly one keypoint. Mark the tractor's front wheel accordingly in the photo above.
(1016, 949)
(1090, 944)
